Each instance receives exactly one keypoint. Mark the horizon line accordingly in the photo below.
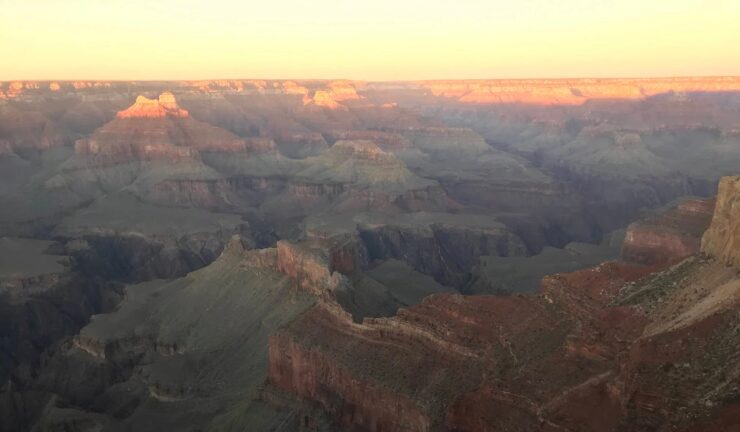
(127, 80)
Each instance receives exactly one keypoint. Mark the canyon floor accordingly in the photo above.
(272, 255)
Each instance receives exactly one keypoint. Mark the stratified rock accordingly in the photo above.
(405, 372)
(362, 163)
(722, 239)
(155, 130)
(571, 91)
(598, 349)
(154, 108)
(669, 236)
(332, 98)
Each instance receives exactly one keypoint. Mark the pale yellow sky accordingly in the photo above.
(370, 40)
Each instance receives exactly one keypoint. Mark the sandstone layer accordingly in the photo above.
(670, 236)
(590, 352)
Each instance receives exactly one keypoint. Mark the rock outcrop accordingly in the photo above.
(722, 240)
(670, 236)
(309, 266)
(332, 97)
(414, 366)
(164, 106)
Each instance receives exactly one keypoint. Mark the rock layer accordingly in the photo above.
(164, 106)
(597, 349)
(670, 236)
(722, 240)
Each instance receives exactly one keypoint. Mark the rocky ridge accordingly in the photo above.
(594, 333)
(572, 91)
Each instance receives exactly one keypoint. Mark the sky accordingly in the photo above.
(366, 39)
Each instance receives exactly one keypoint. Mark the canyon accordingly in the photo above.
(308, 255)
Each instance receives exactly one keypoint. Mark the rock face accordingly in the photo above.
(607, 339)
(43, 299)
(722, 240)
(670, 236)
(332, 98)
(161, 346)
(309, 266)
(313, 375)
(445, 247)
(454, 343)
(164, 106)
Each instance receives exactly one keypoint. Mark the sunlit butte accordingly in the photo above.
(368, 40)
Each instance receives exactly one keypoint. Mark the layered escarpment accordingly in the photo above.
(670, 236)
(445, 246)
(597, 349)
(420, 366)
(572, 92)
(333, 96)
(362, 176)
(362, 163)
(156, 130)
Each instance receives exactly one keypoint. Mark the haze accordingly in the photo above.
(368, 40)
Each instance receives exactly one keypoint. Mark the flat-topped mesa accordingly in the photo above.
(144, 107)
(722, 239)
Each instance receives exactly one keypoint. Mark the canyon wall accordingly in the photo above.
(722, 240)
(669, 236)
(597, 349)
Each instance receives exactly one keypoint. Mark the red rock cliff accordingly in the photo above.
(670, 236)
(599, 349)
